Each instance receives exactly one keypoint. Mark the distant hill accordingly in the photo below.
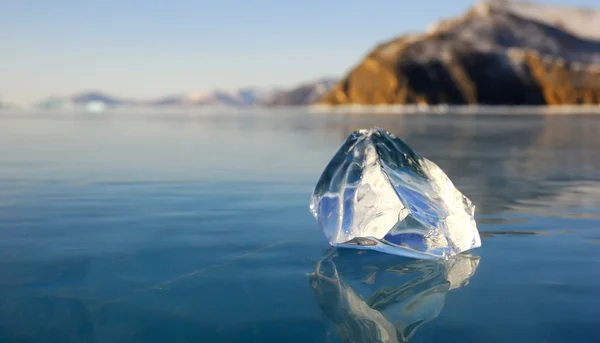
(172, 100)
(88, 99)
(93, 96)
(304, 94)
(241, 97)
(499, 52)
(238, 98)
(244, 97)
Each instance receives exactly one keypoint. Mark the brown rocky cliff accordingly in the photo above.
(561, 82)
(487, 56)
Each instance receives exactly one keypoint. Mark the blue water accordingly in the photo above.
(194, 227)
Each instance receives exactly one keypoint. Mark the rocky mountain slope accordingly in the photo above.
(496, 53)
(304, 94)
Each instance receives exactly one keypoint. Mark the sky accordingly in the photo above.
(148, 49)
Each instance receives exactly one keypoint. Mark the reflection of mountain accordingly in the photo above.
(371, 297)
(502, 163)
(496, 162)
(578, 199)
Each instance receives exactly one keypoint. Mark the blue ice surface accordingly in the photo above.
(115, 228)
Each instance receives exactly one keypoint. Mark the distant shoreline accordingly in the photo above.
(459, 109)
(507, 110)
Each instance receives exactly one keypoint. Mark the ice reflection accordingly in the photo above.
(371, 297)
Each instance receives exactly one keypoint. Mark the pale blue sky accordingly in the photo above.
(146, 49)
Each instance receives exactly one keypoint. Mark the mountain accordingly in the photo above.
(256, 95)
(582, 22)
(89, 100)
(94, 96)
(172, 100)
(244, 97)
(304, 94)
(498, 52)
(237, 98)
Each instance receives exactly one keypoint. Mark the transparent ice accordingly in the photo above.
(370, 298)
(377, 193)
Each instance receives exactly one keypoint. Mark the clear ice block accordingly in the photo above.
(377, 193)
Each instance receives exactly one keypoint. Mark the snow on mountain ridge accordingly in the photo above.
(582, 22)
(304, 94)
(495, 26)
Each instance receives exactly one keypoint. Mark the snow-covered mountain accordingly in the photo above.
(497, 53)
(579, 21)
(305, 94)
(95, 96)
(83, 100)
(240, 97)
(237, 98)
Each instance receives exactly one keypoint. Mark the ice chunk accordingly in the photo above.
(377, 193)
